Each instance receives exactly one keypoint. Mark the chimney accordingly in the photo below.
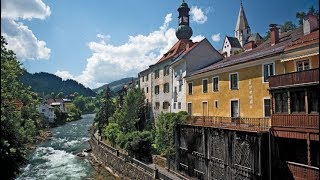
(310, 23)
(274, 34)
(249, 45)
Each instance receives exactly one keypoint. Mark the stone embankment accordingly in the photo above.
(125, 166)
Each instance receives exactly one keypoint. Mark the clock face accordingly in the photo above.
(185, 19)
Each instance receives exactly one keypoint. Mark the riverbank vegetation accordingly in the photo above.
(20, 122)
(124, 125)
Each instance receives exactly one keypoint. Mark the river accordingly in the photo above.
(56, 158)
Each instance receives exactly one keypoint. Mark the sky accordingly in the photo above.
(98, 41)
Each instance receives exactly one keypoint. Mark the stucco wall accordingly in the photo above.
(250, 94)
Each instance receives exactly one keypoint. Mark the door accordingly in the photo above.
(204, 108)
(234, 108)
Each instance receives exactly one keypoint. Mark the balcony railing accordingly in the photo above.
(295, 120)
(294, 78)
(241, 123)
(301, 171)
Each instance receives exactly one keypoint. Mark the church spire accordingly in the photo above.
(242, 30)
(183, 31)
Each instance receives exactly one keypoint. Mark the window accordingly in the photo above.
(216, 104)
(175, 89)
(157, 106)
(165, 105)
(303, 65)
(179, 105)
(156, 89)
(180, 87)
(174, 105)
(281, 102)
(166, 70)
(147, 77)
(190, 108)
(215, 83)
(233, 81)
(205, 85)
(142, 78)
(147, 89)
(267, 107)
(297, 102)
(166, 88)
(313, 100)
(268, 70)
(190, 88)
(156, 74)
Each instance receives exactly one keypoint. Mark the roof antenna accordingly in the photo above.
(241, 2)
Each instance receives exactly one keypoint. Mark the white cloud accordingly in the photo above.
(19, 37)
(197, 38)
(109, 62)
(215, 37)
(198, 15)
(26, 9)
(64, 75)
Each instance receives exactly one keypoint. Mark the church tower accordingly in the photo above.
(183, 31)
(242, 30)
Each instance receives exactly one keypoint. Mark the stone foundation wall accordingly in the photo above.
(119, 163)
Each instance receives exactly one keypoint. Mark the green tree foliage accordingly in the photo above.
(106, 110)
(18, 127)
(61, 117)
(73, 112)
(138, 144)
(165, 124)
(131, 116)
(302, 15)
(111, 133)
(287, 26)
(46, 83)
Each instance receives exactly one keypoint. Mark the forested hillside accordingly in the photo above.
(114, 86)
(45, 83)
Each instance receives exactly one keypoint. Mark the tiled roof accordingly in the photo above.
(50, 101)
(254, 37)
(181, 46)
(234, 42)
(312, 38)
(264, 50)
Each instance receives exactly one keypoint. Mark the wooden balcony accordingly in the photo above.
(294, 79)
(295, 120)
(301, 171)
(241, 123)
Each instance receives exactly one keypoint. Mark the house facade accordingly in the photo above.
(47, 111)
(163, 82)
(295, 107)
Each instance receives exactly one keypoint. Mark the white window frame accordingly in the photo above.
(274, 70)
(207, 106)
(238, 79)
(213, 84)
(237, 99)
(296, 61)
(207, 85)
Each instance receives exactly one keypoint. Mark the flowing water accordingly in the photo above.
(56, 158)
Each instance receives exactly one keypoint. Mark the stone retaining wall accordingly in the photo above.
(120, 163)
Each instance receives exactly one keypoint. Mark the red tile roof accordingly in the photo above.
(264, 50)
(181, 46)
(312, 38)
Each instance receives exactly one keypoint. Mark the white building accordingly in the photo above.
(47, 111)
(200, 55)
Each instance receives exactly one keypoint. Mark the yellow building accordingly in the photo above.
(237, 86)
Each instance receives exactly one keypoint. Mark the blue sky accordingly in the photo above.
(98, 41)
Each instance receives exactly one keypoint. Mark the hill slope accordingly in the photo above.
(114, 86)
(45, 83)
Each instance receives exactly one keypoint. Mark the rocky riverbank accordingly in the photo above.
(101, 172)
